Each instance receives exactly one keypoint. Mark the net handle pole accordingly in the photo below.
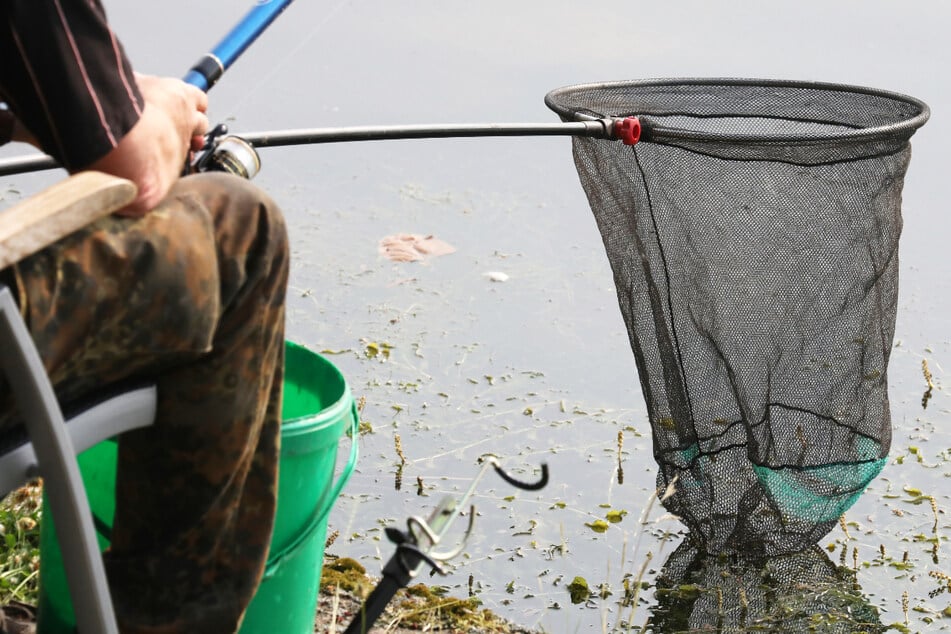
(596, 128)
(25, 164)
(599, 128)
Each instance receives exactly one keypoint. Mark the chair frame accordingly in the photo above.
(54, 442)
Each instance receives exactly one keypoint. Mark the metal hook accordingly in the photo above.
(408, 542)
(526, 486)
(411, 558)
(451, 554)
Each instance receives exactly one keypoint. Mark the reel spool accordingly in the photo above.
(224, 152)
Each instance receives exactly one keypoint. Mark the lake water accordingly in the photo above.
(538, 368)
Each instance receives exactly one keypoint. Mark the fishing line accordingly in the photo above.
(283, 62)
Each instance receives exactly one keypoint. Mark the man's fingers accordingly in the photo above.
(201, 124)
(199, 102)
(201, 99)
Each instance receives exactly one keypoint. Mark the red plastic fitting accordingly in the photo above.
(628, 130)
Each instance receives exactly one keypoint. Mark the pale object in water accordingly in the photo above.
(412, 247)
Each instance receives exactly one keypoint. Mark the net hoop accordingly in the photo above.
(595, 100)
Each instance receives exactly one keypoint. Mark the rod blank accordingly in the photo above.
(209, 68)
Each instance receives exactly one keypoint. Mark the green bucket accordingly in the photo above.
(318, 411)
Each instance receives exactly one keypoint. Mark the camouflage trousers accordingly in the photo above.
(190, 296)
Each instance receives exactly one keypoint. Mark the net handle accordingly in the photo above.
(627, 130)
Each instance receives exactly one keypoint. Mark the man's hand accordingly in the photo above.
(153, 153)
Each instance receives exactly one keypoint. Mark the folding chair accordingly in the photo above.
(46, 444)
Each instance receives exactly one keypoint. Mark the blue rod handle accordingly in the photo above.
(212, 65)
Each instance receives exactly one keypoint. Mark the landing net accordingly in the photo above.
(753, 236)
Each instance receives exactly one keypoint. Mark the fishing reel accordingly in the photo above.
(225, 152)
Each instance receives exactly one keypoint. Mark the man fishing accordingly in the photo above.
(185, 288)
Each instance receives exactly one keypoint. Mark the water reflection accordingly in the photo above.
(802, 592)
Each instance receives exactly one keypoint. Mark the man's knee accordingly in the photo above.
(236, 197)
(248, 223)
(250, 231)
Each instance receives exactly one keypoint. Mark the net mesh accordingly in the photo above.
(795, 593)
(753, 236)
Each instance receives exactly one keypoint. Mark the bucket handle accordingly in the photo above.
(320, 515)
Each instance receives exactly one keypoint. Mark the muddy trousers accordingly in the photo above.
(190, 296)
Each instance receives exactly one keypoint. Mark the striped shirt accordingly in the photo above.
(65, 75)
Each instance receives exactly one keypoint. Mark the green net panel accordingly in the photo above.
(753, 235)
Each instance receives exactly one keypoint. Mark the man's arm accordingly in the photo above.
(152, 154)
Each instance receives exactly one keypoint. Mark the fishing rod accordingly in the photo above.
(212, 65)
(237, 153)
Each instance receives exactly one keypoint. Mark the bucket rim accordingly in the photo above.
(309, 423)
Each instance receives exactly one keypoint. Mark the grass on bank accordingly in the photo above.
(20, 552)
